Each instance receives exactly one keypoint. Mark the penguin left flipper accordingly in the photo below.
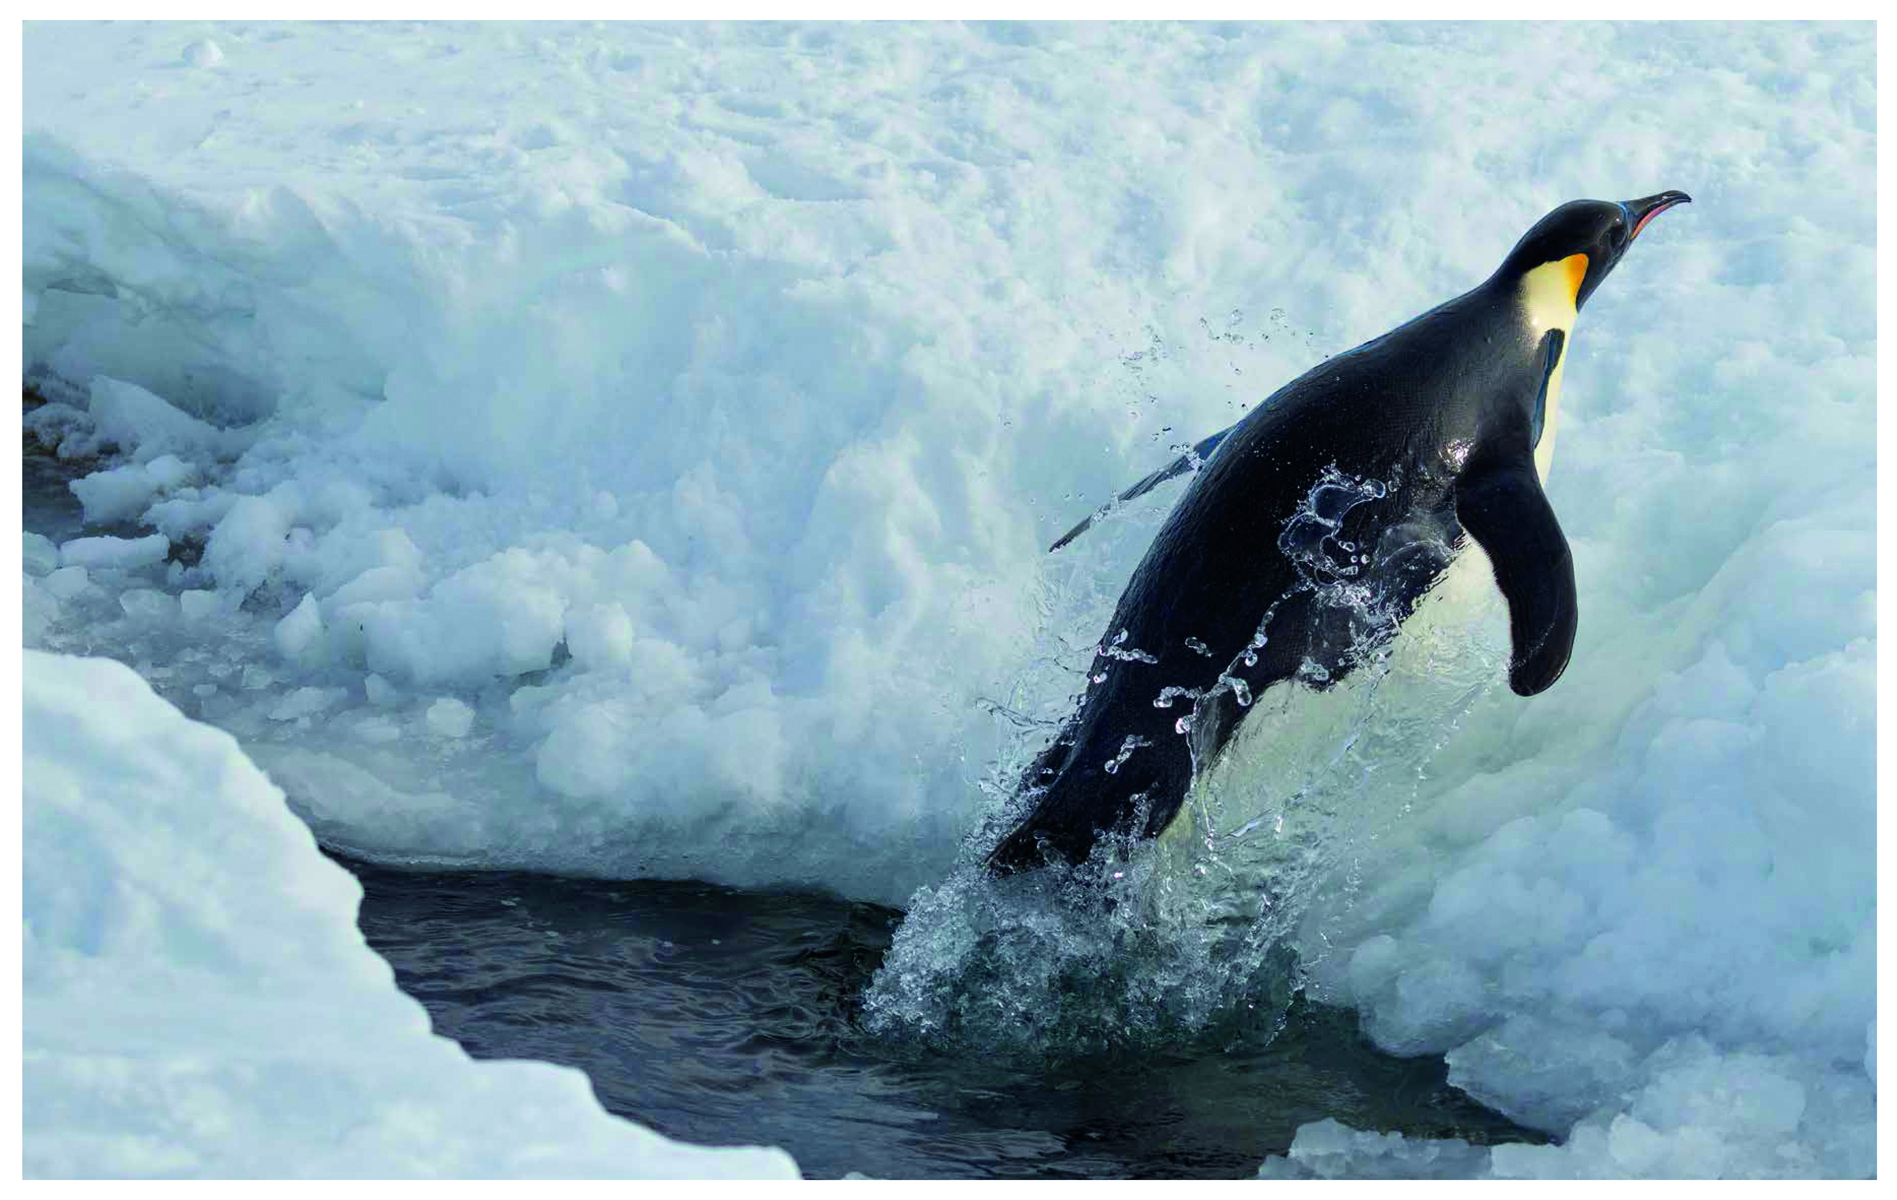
(1501, 505)
(1189, 461)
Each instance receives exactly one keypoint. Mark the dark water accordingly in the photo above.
(727, 1017)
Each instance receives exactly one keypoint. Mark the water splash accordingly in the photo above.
(1196, 937)
(1114, 652)
(1133, 742)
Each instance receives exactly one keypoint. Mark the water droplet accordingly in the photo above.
(1168, 694)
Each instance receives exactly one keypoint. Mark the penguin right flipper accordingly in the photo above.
(1501, 505)
(1191, 460)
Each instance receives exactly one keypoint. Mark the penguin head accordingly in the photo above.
(1587, 238)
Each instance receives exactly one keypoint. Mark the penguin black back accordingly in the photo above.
(1359, 481)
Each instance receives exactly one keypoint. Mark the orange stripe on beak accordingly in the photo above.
(1577, 272)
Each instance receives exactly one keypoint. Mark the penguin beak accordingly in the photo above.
(1644, 210)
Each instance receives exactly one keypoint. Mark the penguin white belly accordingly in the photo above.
(1307, 762)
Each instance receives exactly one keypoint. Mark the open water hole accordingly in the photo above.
(724, 1017)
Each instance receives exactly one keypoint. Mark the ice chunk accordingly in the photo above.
(114, 554)
(450, 718)
(301, 632)
(113, 495)
(41, 556)
(304, 702)
(123, 492)
(67, 582)
(599, 635)
(1328, 1149)
(202, 53)
(377, 583)
(380, 690)
(39, 610)
(147, 427)
(249, 542)
(377, 730)
(499, 617)
(148, 604)
(197, 604)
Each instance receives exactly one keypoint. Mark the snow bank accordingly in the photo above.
(198, 1001)
(647, 466)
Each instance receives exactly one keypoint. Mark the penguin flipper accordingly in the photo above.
(1503, 508)
(1189, 461)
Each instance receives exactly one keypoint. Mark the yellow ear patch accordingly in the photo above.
(1577, 272)
(1551, 291)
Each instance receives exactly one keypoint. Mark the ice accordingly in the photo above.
(114, 553)
(449, 718)
(148, 605)
(67, 582)
(706, 453)
(124, 492)
(300, 632)
(150, 430)
(600, 635)
(304, 702)
(202, 54)
(197, 603)
(41, 556)
(213, 1011)
(39, 610)
(248, 543)
(1328, 1149)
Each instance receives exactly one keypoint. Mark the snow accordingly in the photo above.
(680, 414)
(198, 1001)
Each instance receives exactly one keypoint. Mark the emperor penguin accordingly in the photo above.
(1371, 471)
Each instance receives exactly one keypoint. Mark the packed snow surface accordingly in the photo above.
(629, 450)
(198, 1000)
